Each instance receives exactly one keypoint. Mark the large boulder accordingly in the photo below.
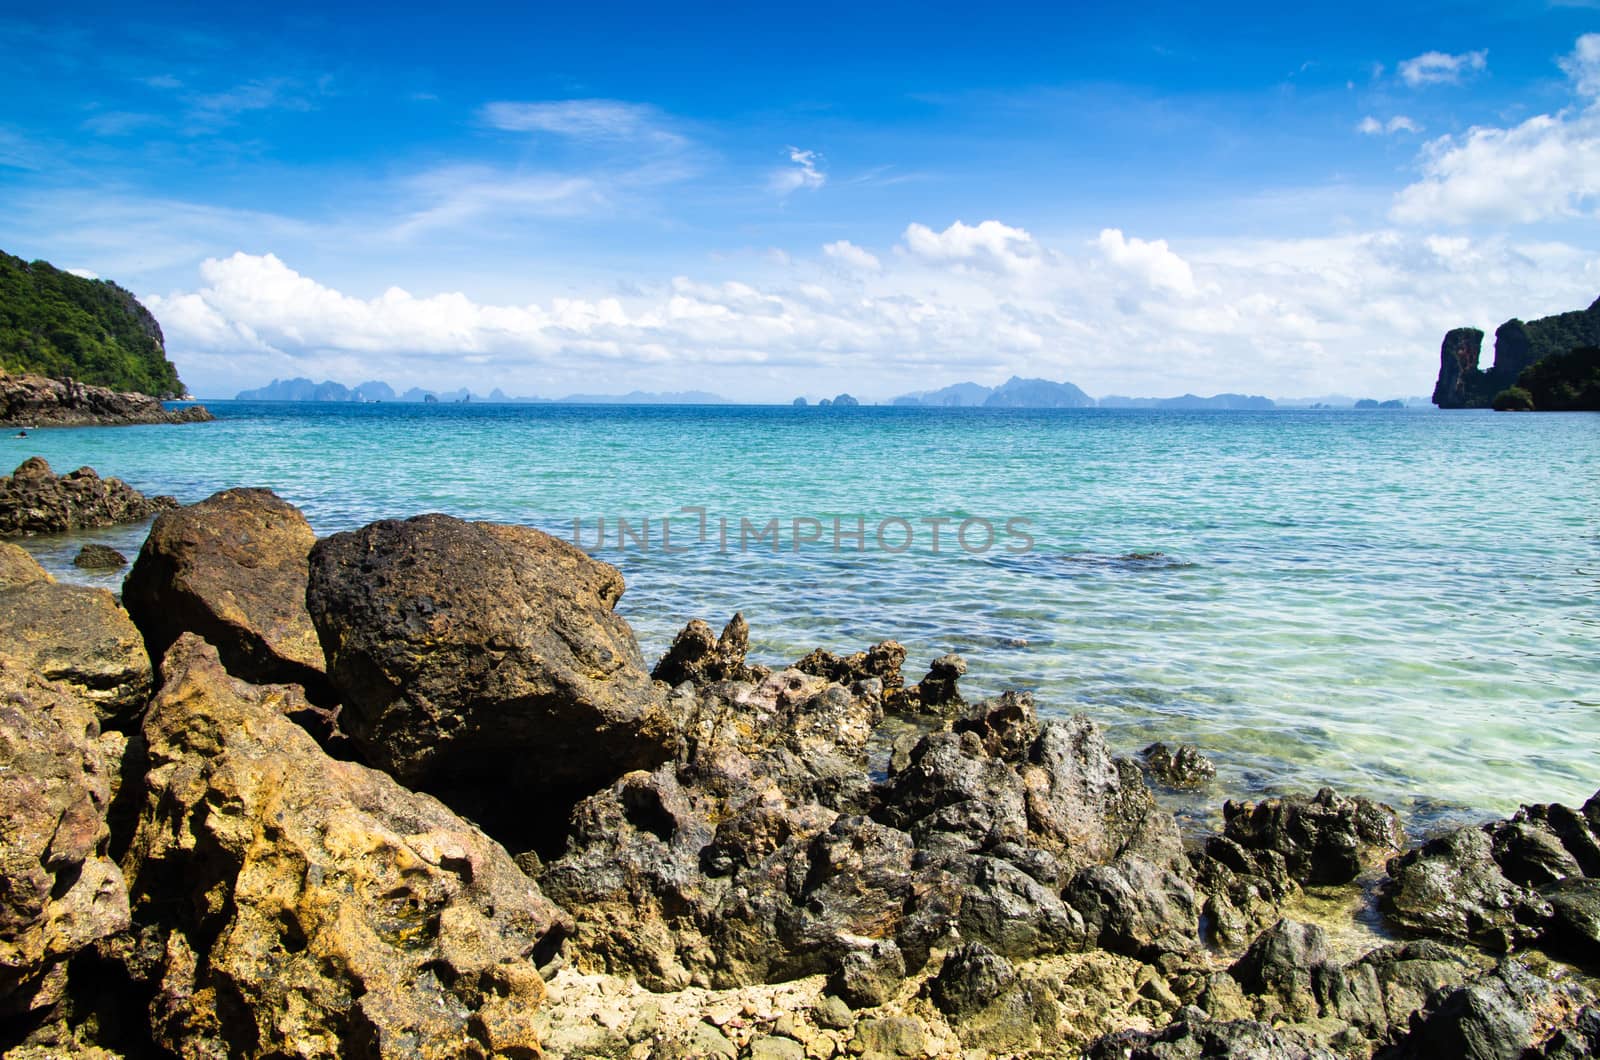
(485, 663)
(79, 637)
(294, 905)
(34, 500)
(232, 569)
(59, 892)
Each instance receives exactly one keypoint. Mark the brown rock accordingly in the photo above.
(311, 907)
(232, 569)
(697, 655)
(60, 891)
(81, 638)
(485, 663)
(99, 557)
(34, 500)
(17, 567)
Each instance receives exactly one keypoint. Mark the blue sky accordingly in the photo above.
(765, 202)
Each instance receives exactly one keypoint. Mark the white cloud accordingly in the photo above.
(987, 245)
(1442, 68)
(1361, 312)
(1399, 123)
(804, 173)
(582, 119)
(851, 256)
(1152, 262)
(84, 274)
(1544, 168)
(1583, 65)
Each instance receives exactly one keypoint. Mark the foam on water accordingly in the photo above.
(1403, 605)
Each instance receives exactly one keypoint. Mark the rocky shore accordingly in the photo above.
(411, 791)
(38, 401)
(35, 500)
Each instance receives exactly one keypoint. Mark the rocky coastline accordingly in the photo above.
(29, 401)
(412, 791)
(35, 500)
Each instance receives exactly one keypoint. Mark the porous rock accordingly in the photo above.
(61, 892)
(296, 905)
(79, 637)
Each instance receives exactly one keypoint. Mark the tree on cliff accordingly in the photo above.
(56, 324)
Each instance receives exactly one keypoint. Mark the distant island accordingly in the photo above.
(1017, 392)
(1551, 364)
(56, 325)
(301, 389)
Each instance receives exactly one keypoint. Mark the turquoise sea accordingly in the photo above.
(1401, 604)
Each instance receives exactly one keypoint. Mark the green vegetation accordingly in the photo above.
(1513, 399)
(1563, 382)
(56, 324)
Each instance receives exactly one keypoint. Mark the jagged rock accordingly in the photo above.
(1188, 1040)
(60, 891)
(1184, 767)
(1490, 1018)
(1452, 888)
(953, 796)
(1544, 843)
(18, 568)
(881, 661)
(1132, 907)
(35, 400)
(936, 693)
(972, 977)
(1243, 891)
(81, 638)
(99, 557)
(1377, 993)
(1286, 963)
(1323, 839)
(692, 873)
(1574, 929)
(1007, 725)
(232, 569)
(1087, 807)
(297, 905)
(484, 663)
(699, 657)
(34, 500)
(1012, 912)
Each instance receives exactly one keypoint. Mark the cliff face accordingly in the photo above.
(35, 401)
(56, 324)
(1458, 363)
(1518, 346)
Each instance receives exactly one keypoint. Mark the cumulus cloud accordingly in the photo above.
(804, 173)
(988, 245)
(581, 119)
(1399, 123)
(1442, 68)
(1285, 316)
(1543, 168)
(1583, 65)
(1152, 262)
(851, 256)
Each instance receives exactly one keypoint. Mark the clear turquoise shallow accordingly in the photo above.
(1400, 604)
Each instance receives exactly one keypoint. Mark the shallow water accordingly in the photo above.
(1401, 604)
